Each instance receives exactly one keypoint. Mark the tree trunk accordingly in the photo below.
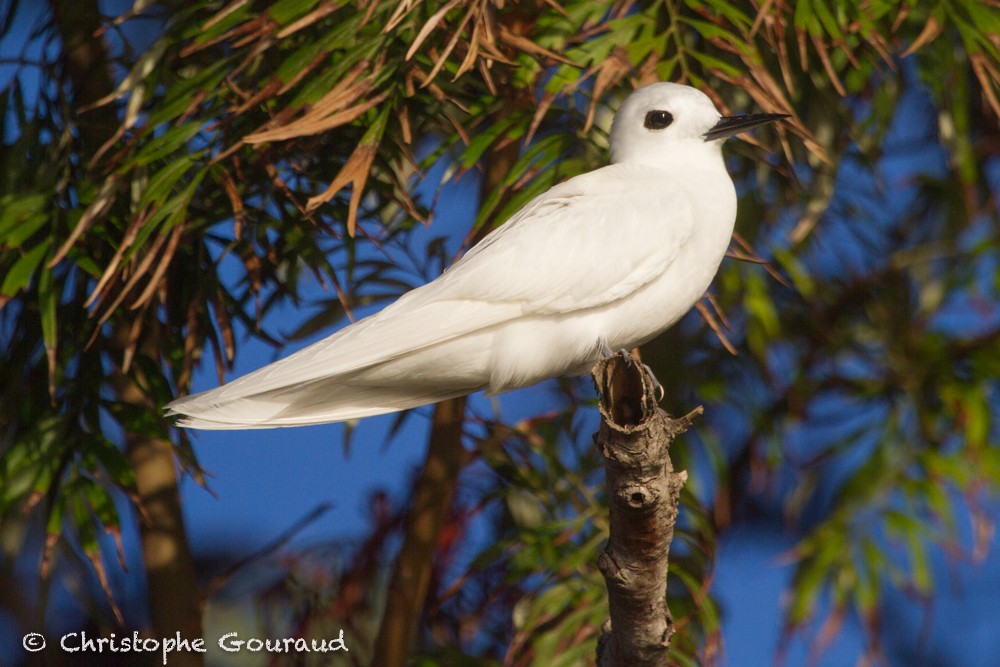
(432, 496)
(433, 493)
(174, 600)
(643, 493)
(86, 59)
(173, 594)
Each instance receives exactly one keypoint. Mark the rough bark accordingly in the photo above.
(174, 601)
(643, 493)
(171, 583)
(432, 496)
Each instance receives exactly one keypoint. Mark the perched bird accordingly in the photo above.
(605, 260)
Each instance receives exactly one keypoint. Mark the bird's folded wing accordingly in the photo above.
(405, 326)
(585, 243)
(543, 261)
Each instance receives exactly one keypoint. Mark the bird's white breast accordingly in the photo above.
(570, 341)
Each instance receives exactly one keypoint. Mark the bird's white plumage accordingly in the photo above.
(607, 259)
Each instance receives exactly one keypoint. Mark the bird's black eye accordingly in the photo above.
(657, 120)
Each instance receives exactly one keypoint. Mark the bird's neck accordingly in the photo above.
(694, 156)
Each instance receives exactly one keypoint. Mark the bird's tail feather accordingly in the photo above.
(316, 402)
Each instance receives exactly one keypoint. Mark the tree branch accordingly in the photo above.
(643, 493)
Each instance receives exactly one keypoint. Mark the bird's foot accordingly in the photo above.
(660, 392)
(628, 358)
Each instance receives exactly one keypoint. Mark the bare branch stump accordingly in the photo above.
(643, 494)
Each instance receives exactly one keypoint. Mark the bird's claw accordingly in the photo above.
(660, 392)
(606, 352)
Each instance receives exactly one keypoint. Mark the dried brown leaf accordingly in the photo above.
(824, 58)
(450, 46)
(784, 63)
(236, 202)
(161, 268)
(609, 72)
(556, 6)
(354, 171)
(988, 77)
(139, 271)
(830, 629)
(402, 9)
(301, 74)
(712, 301)
(904, 13)
(763, 13)
(404, 125)
(713, 324)
(224, 325)
(315, 15)
(347, 91)
(51, 540)
(524, 44)
(800, 39)
(196, 100)
(270, 89)
(256, 26)
(543, 107)
(484, 69)
(429, 27)
(313, 124)
(101, 204)
(471, 51)
(110, 271)
(884, 50)
(261, 37)
(136, 275)
(932, 30)
(223, 13)
(131, 343)
(116, 536)
(752, 256)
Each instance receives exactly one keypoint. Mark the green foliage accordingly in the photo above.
(280, 138)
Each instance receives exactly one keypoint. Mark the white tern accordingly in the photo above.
(606, 260)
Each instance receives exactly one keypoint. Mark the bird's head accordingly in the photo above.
(668, 121)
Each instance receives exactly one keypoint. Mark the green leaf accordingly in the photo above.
(233, 17)
(483, 140)
(20, 217)
(19, 275)
(48, 299)
(207, 79)
(871, 562)
(713, 64)
(922, 579)
(167, 144)
(285, 11)
(805, 17)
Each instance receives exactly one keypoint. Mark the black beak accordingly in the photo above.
(730, 125)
